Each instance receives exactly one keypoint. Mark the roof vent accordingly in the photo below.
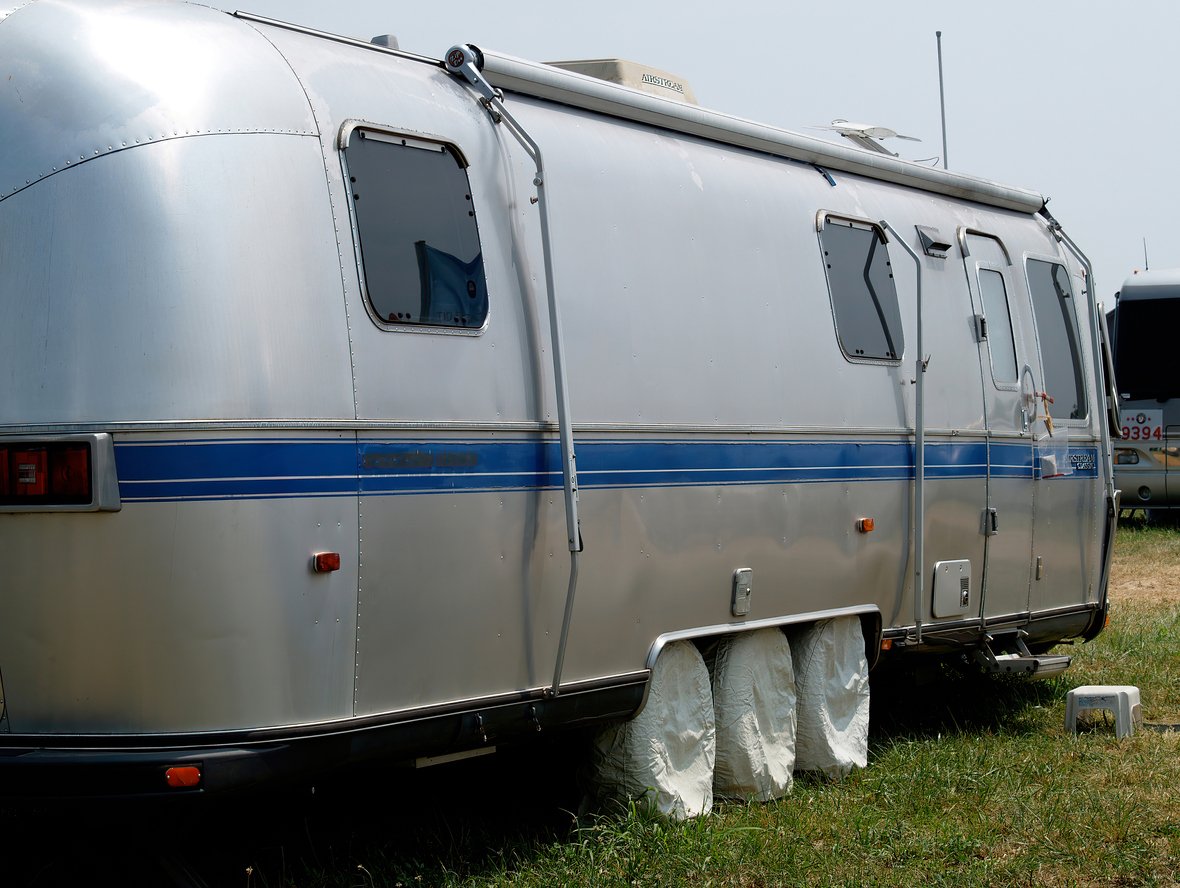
(389, 41)
(632, 74)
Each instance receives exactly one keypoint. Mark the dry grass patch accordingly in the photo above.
(1146, 565)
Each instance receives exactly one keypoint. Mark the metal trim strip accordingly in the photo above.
(327, 728)
(1003, 622)
(380, 425)
(717, 629)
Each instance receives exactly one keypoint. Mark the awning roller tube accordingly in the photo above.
(546, 82)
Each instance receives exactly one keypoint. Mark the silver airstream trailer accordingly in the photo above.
(359, 403)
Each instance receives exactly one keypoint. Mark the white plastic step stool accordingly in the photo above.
(1122, 700)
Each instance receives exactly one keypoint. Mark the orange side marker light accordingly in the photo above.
(865, 525)
(325, 562)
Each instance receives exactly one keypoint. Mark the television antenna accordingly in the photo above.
(866, 135)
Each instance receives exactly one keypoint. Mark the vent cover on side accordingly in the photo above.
(952, 588)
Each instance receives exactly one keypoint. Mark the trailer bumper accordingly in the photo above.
(42, 774)
(103, 767)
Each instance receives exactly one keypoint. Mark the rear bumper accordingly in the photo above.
(1145, 488)
(57, 773)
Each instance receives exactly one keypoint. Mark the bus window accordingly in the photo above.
(1145, 335)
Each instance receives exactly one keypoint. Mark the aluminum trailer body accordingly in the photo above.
(290, 466)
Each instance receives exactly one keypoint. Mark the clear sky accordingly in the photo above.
(1076, 100)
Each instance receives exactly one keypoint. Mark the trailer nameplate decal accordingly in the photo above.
(664, 82)
(419, 459)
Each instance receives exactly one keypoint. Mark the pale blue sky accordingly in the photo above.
(1076, 100)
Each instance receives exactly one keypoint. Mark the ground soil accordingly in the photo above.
(1150, 574)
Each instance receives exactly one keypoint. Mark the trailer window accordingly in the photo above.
(864, 297)
(1057, 332)
(418, 243)
(1001, 344)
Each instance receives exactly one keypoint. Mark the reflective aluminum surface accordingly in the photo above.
(197, 296)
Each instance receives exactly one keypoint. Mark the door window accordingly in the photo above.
(1057, 332)
(1000, 342)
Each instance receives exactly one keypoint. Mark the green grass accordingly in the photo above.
(971, 781)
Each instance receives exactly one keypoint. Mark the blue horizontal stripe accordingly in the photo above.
(264, 469)
(203, 460)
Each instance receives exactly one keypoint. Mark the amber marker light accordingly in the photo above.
(325, 562)
(183, 776)
(886, 644)
(865, 525)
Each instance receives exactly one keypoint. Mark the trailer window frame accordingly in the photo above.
(854, 299)
(984, 251)
(1066, 314)
(430, 263)
(1005, 330)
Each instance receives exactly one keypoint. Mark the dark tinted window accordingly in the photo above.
(1145, 334)
(1000, 343)
(864, 298)
(1057, 332)
(419, 245)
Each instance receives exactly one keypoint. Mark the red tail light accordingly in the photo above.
(183, 777)
(45, 474)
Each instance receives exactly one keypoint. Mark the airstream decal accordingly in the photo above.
(1084, 462)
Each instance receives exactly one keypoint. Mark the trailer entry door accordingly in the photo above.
(1008, 356)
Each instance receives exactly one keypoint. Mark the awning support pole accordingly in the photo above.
(919, 529)
(464, 61)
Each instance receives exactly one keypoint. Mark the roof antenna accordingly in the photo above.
(941, 96)
(1145, 265)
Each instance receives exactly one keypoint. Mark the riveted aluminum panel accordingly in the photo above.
(662, 545)
(157, 284)
(83, 80)
(432, 375)
(195, 608)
